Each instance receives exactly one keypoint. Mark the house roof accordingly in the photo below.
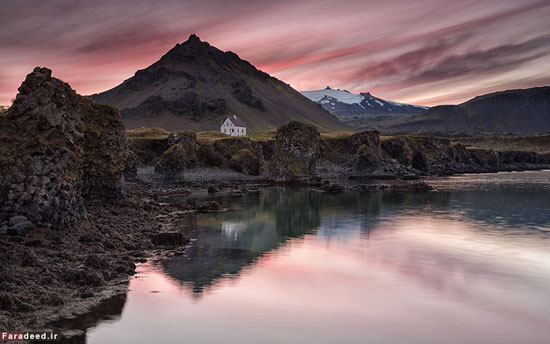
(237, 121)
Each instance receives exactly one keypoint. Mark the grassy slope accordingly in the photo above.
(538, 143)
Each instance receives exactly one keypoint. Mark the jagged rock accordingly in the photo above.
(208, 206)
(333, 188)
(173, 162)
(169, 239)
(181, 154)
(130, 165)
(212, 189)
(484, 157)
(245, 161)
(6, 301)
(365, 160)
(186, 138)
(220, 152)
(398, 149)
(414, 186)
(296, 152)
(57, 148)
(96, 261)
(17, 220)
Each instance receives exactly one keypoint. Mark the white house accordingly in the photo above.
(233, 126)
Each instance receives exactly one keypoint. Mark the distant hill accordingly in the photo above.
(342, 103)
(195, 86)
(522, 111)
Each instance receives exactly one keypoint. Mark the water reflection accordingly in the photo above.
(300, 266)
(260, 222)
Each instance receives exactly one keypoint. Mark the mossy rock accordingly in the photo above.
(296, 152)
(245, 161)
(175, 160)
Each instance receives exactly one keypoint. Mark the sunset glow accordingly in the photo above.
(424, 52)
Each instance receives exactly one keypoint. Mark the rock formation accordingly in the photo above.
(180, 155)
(57, 149)
(296, 151)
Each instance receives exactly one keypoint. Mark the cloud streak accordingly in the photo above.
(427, 51)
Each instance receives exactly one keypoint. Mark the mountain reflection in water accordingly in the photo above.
(469, 263)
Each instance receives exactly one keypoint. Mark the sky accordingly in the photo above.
(425, 52)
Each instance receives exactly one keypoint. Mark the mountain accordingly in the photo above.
(342, 103)
(195, 86)
(522, 111)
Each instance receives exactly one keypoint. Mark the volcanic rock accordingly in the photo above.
(57, 148)
(297, 149)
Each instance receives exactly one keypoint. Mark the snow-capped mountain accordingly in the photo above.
(342, 103)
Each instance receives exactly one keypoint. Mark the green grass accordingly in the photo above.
(149, 133)
(205, 137)
(337, 135)
(264, 135)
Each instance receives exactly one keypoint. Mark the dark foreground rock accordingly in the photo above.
(208, 206)
(417, 186)
(169, 239)
(66, 269)
(57, 149)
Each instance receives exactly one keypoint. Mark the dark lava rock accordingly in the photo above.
(181, 154)
(33, 243)
(57, 149)
(29, 259)
(52, 300)
(208, 206)
(245, 161)
(416, 187)
(96, 261)
(212, 189)
(169, 239)
(410, 177)
(333, 188)
(85, 293)
(296, 152)
(6, 301)
(84, 277)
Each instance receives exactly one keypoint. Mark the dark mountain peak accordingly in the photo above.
(328, 88)
(193, 38)
(195, 84)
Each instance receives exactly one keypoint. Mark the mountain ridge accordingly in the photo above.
(343, 103)
(520, 111)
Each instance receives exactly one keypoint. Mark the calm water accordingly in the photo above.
(469, 263)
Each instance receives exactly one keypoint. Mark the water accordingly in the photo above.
(469, 263)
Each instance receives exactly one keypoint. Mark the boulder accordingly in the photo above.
(398, 149)
(169, 239)
(296, 152)
(365, 160)
(173, 162)
(220, 151)
(208, 206)
(484, 157)
(181, 154)
(130, 165)
(245, 161)
(417, 186)
(57, 149)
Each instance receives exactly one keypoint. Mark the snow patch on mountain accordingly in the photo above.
(339, 95)
(344, 103)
